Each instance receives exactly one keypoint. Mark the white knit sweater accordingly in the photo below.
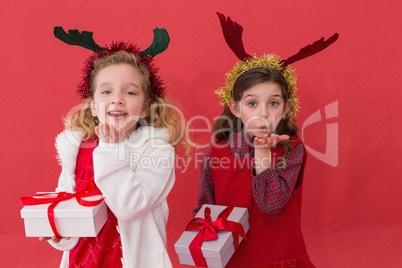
(135, 178)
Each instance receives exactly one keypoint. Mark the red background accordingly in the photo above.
(351, 209)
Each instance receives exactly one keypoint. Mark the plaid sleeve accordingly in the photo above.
(206, 190)
(273, 187)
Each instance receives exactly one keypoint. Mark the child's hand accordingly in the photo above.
(262, 153)
(54, 239)
(267, 142)
(109, 134)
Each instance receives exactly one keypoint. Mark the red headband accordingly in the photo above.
(84, 39)
(157, 87)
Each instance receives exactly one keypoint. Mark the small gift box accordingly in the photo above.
(79, 214)
(70, 218)
(213, 236)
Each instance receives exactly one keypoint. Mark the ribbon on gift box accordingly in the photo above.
(208, 231)
(43, 198)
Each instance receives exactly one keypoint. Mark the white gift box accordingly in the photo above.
(218, 252)
(71, 218)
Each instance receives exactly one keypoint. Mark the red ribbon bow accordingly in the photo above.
(43, 199)
(208, 232)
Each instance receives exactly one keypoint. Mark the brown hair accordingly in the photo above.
(227, 123)
(159, 112)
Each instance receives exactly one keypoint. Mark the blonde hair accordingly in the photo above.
(159, 112)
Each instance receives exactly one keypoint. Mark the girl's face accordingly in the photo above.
(260, 108)
(119, 98)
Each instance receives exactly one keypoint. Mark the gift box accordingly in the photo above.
(218, 251)
(70, 217)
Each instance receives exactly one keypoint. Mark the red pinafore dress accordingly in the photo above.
(104, 250)
(274, 240)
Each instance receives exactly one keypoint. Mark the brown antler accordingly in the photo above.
(233, 35)
(310, 50)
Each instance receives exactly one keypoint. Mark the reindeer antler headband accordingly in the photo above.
(233, 31)
(84, 39)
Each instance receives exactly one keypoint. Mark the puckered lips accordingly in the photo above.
(263, 128)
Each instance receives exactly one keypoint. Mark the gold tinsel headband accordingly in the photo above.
(270, 61)
(233, 32)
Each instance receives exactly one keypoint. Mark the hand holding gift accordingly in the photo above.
(54, 238)
(74, 216)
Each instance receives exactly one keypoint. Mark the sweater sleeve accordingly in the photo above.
(133, 181)
(273, 187)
